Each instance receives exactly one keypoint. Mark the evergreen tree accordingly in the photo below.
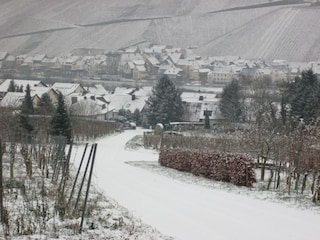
(165, 104)
(25, 110)
(136, 116)
(206, 119)
(27, 104)
(60, 123)
(12, 86)
(304, 97)
(24, 124)
(230, 105)
(45, 105)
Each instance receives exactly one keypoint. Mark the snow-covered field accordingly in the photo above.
(186, 207)
(288, 32)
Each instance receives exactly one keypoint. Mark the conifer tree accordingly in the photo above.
(12, 86)
(27, 104)
(60, 123)
(25, 111)
(45, 105)
(165, 104)
(304, 97)
(230, 105)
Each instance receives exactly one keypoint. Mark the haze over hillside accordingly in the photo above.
(247, 28)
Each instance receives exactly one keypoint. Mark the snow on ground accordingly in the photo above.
(188, 210)
(288, 32)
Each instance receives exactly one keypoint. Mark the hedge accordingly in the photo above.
(228, 167)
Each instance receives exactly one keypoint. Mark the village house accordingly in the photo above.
(139, 70)
(221, 75)
(195, 105)
(127, 57)
(20, 84)
(67, 89)
(152, 65)
(9, 62)
(3, 56)
(15, 99)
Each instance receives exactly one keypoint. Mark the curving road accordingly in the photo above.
(186, 211)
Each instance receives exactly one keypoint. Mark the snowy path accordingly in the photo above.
(187, 211)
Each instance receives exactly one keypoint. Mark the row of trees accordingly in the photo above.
(292, 102)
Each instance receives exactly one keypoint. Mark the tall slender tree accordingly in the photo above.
(165, 104)
(26, 110)
(60, 123)
(230, 104)
(12, 86)
(27, 104)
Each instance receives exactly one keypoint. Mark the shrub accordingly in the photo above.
(228, 167)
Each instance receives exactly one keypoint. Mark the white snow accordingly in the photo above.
(186, 210)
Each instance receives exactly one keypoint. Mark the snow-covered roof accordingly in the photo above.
(10, 58)
(131, 65)
(175, 57)
(38, 57)
(183, 62)
(141, 68)
(98, 89)
(122, 98)
(126, 57)
(196, 96)
(210, 106)
(15, 99)
(12, 99)
(139, 62)
(153, 60)
(50, 60)
(204, 70)
(173, 71)
(3, 55)
(68, 88)
(155, 49)
(39, 91)
(32, 83)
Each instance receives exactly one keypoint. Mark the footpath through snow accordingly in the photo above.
(188, 211)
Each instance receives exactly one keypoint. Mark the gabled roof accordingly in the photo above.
(86, 106)
(139, 62)
(3, 55)
(39, 57)
(14, 99)
(68, 88)
(126, 57)
(41, 90)
(131, 65)
(175, 57)
(50, 60)
(98, 89)
(32, 83)
(122, 98)
(10, 58)
(153, 60)
(141, 68)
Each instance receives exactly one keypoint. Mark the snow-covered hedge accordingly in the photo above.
(228, 167)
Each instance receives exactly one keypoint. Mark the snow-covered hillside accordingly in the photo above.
(248, 28)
